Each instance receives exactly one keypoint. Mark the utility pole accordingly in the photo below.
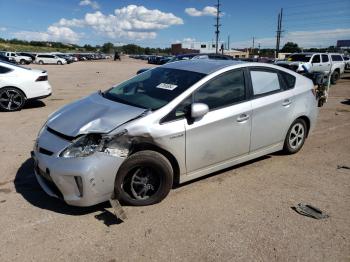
(228, 42)
(253, 50)
(217, 25)
(279, 31)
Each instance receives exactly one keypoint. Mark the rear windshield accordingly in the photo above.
(299, 58)
(13, 65)
(153, 88)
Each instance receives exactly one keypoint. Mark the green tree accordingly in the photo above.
(107, 48)
(290, 47)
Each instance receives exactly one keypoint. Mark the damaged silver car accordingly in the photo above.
(168, 125)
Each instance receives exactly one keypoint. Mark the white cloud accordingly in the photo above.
(53, 33)
(93, 4)
(130, 22)
(189, 39)
(305, 39)
(206, 11)
(71, 23)
(3, 29)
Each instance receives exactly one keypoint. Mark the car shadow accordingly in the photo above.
(33, 104)
(223, 171)
(27, 185)
(346, 102)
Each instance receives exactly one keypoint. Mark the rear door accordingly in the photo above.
(316, 63)
(326, 63)
(272, 107)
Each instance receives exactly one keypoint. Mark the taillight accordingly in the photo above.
(41, 78)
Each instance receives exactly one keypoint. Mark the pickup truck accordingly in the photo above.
(18, 58)
(332, 63)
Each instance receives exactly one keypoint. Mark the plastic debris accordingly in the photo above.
(310, 211)
(118, 209)
(343, 167)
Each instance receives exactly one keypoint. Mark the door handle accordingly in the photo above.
(242, 118)
(287, 102)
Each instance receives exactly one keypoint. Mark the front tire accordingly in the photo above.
(41, 62)
(59, 62)
(11, 99)
(296, 136)
(145, 178)
(22, 62)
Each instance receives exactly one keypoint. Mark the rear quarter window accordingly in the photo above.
(4, 70)
(288, 80)
(337, 58)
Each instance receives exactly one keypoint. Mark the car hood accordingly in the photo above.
(92, 114)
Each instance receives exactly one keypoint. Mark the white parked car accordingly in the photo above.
(23, 60)
(19, 84)
(49, 59)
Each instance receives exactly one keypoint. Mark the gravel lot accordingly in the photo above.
(240, 214)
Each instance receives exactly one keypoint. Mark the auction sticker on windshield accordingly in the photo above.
(167, 86)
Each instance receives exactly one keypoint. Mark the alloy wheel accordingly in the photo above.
(297, 136)
(142, 183)
(10, 99)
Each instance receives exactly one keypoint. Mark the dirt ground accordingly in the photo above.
(240, 214)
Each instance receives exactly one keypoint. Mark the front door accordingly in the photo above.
(224, 132)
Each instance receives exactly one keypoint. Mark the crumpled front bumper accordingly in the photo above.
(83, 181)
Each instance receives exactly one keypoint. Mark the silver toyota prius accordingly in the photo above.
(169, 125)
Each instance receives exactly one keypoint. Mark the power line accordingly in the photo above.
(318, 3)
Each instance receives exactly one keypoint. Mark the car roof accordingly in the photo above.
(201, 65)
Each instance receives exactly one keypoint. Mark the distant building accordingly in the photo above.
(244, 53)
(194, 47)
(177, 49)
(343, 43)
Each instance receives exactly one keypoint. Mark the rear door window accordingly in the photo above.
(325, 58)
(264, 81)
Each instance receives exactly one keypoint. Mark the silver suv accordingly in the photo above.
(171, 124)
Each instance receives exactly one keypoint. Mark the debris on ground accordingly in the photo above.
(118, 209)
(310, 211)
(343, 167)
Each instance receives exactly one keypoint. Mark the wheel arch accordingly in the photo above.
(307, 121)
(148, 146)
(20, 90)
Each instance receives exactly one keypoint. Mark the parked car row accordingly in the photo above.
(25, 58)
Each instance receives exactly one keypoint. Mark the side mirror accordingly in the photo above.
(198, 110)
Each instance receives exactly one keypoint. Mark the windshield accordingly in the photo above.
(300, 58)
(153, 88)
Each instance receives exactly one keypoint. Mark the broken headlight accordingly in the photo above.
(116, 145)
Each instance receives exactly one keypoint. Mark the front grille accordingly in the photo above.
(45, 151)
(65, 137)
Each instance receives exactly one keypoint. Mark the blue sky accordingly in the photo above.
(158, 23)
